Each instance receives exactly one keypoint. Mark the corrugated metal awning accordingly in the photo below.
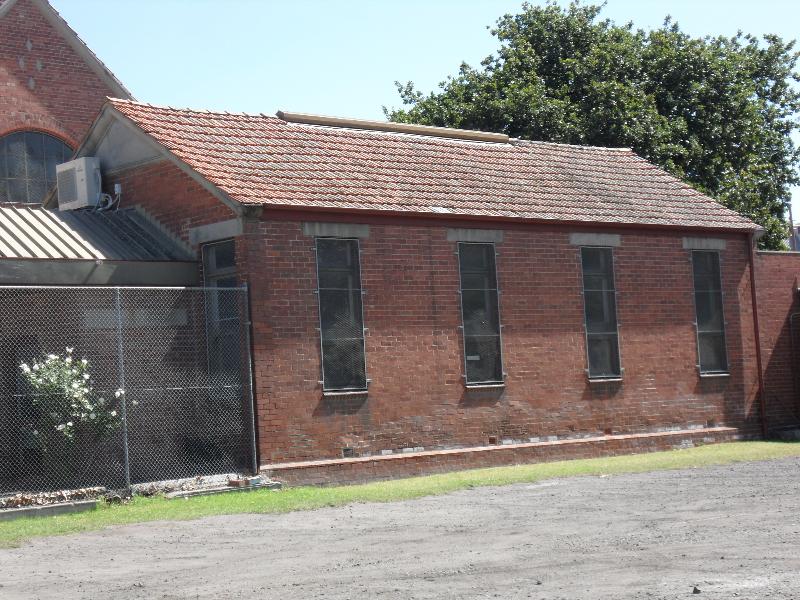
(85, 235)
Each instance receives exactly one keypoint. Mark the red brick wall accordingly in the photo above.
(414, 349)
(170, 196)
(776, 284)
(47, 86)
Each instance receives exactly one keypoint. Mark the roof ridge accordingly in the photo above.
(359, 125)
(524, 142)
(205, 111)
(471, 135)
(224, 113)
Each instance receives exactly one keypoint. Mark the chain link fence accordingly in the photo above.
(116, 386)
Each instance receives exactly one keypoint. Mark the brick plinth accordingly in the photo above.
(357, 470)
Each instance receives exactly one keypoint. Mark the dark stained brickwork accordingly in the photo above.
(170, 196)
(777, 276)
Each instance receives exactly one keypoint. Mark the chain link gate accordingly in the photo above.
(103, 386)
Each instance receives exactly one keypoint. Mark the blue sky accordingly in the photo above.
(338, 58)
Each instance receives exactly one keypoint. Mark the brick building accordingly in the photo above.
(417, 292)
(426, 298)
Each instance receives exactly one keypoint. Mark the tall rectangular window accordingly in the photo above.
(223, 305)
(341, 315)
(480, 313)
(600, 313)
(708, 310)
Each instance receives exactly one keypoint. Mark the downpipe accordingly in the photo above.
(761, 393)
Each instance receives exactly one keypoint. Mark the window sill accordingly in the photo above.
(605, 379)
(714, 375)
(343, 393)
(485, 386)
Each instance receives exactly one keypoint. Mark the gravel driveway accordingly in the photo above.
(730, 531)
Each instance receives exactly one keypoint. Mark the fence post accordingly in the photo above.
(121, 379)
(249, 366)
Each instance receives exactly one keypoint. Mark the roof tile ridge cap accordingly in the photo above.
(523, 142)
(352, 126)
(176, 108)
(406, 134)
(167, 107)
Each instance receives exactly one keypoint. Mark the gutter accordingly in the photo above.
(378, 216)
(761, 393)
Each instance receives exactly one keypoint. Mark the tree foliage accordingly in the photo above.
(717, 112)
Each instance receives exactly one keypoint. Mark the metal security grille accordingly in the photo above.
(341, 314)
(711, 352)
(600, 313)
(113, 386)
(481, 313)
(28, 162)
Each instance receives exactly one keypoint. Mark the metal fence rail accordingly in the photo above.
(114, 386)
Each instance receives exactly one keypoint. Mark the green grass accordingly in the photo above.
(139, 510)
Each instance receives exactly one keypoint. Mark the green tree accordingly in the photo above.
(717, 112)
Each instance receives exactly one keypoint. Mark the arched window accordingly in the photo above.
(28, 162)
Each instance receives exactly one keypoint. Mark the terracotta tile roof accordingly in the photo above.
(258, 159)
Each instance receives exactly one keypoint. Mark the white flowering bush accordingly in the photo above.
(65, 402)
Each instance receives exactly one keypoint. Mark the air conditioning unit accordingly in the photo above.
(79, 183)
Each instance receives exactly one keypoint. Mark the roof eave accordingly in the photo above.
(757, 230)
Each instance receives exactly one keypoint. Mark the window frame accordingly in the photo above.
(216, 324)
(486, 383)
(325, 388)
(217, 272)
(612, 377)
(67, 152)
(210, 279)
(723, 331)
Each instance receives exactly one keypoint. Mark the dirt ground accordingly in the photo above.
(733, 532)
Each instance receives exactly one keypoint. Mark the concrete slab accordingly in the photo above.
(47, 510)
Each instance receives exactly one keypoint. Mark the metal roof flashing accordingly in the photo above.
(470, 135)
